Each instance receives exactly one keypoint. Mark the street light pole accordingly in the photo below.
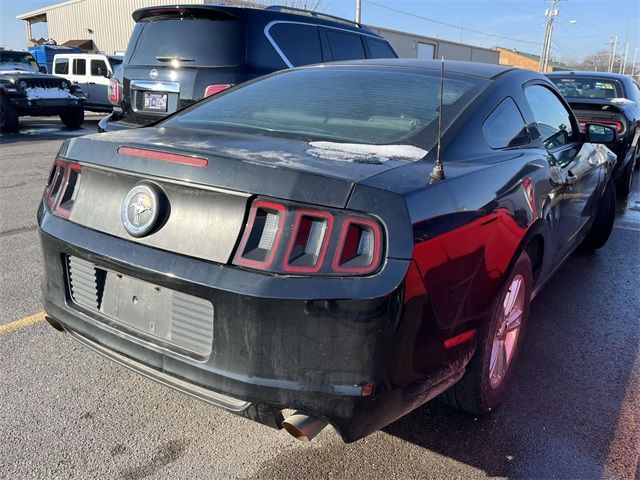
(612, 58)
(358, 11)
(551, 14)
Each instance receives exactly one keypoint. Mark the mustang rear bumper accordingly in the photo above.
(278, 342)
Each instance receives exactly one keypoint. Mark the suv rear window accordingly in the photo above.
(588, 87)
(193, 41)
(356, 105)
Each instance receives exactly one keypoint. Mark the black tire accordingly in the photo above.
(603, 223)
(475, 392)
(73, 118)
(8, 119)
(623, 185)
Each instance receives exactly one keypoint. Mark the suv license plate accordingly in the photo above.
(155, 101)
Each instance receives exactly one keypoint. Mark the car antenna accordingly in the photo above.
(437, 173)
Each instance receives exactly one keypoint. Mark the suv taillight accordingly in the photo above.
(114, 92)
(213, 89)
(62, 188)
(610, 123)
(311, 244)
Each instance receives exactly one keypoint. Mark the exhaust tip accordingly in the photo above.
(54, 323)
(303, 427)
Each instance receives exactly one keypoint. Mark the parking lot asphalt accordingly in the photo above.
(573, 412)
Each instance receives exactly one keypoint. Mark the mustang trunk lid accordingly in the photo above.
(207, 205)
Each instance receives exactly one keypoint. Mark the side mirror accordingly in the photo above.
(42, 69)
(600, 133)
(108, 74)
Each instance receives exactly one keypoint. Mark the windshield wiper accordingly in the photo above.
(179, 59)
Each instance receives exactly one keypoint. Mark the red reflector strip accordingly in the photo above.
(163, 156)
(367, 390)
(213, 89)
(458, 339)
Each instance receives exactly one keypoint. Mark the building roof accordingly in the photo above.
(532, 56)
(42, 11)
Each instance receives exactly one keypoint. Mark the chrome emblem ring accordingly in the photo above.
(153, 74)
(139, 211)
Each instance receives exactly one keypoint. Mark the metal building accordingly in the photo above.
(410, 45)
(106, 25)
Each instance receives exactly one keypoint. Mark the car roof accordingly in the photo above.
(483, 70)
(275, 11)
(586, 73)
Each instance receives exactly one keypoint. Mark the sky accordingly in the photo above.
(581, 28)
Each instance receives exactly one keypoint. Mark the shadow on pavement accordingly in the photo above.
(48, 128)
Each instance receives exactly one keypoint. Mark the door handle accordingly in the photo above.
(570, 179)
(91, 83)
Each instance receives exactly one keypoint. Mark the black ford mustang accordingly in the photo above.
(305, 241)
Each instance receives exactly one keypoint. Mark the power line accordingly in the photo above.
(462, 27)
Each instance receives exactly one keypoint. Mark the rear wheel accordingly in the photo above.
(73, 119)
(603, 223)
(484, 385)
(8, 119)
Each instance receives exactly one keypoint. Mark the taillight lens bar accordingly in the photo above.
(62, 188)
(114, 92)
(292, 239)
(359, 248)
(262, 235)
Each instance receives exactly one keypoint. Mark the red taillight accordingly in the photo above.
(610, 123)
(62, 189)
(213, 89)
(262, 235)
(114, 92)
(359, 246)
(308, 240)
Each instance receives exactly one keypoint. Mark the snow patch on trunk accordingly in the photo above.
(38, 93)
(363, 153)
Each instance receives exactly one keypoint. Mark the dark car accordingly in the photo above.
(608, 99)
(215, 47)
(264, 250)
(25, 90)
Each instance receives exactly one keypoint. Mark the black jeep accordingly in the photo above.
(179, 54)
(26, 90)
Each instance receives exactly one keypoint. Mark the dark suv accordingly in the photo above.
(180, 54)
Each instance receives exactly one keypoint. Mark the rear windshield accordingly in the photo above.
(371, 106)
(17, 60)
(588, 87)
(191, 41)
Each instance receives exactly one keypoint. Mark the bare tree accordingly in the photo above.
(598, 61)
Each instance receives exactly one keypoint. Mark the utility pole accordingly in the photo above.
(358, 11)
(623, 68)
(612, 58)
(551, 14)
